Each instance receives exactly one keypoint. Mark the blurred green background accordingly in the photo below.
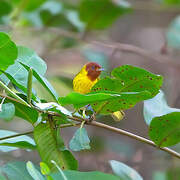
(67, 34)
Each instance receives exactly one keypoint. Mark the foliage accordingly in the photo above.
(127, 85)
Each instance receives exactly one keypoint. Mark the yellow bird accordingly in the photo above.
(87, 78)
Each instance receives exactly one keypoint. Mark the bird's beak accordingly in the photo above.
(101, 69)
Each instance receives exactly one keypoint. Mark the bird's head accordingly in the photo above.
(93, 70)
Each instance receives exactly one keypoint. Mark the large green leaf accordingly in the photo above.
(173, 33)
(105, 101)
(101, 14)
(8, 51)
(132, 83)
(5, 8)
(16, 171)
(165, 130)
(45, 83)
(77, 175)
(80, 140)
(124, 172)
(14, 143)
(7, 112)
(135, 79)
(157, 106)
(31, 59)
(24, 111)
(48, 148)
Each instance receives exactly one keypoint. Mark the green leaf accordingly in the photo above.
(101, 14)
(44, 168)
(31, 59)
(24, 111)
(132, 83)
(16, 171)
(105, 101)
(2, 177)
(173, 33)
(29, 5)
(19, 144)
(5, 8)
(8, 51)
(21, 87)
(157, 106)
(124, 172)
(44, 82)
(77, 175)
(36, 175)
(80, 100)
(135, 79)
(48, 148)
(171, 2)
(165, 130)
(80, 140)
(15, 142)
(56, 20)
(8, 111)
(29, 86)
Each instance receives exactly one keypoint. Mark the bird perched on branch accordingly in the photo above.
(87, 78)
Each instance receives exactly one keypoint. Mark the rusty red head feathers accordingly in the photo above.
(93, 70)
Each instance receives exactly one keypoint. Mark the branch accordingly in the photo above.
(30, 132)
(101, 125)
(16, 135)
(126, 133)
(133, 136)
(142, 52)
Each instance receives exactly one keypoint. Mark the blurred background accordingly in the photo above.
(69, 33)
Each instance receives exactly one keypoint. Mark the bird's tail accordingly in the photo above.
(118, 115)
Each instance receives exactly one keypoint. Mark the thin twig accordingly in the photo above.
(126, 133)
(140, 51)
(16, 135)
(131, 135)
(101, 125)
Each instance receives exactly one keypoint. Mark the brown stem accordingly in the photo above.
(101, 125)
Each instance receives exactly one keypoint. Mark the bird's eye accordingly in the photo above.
(93, 67)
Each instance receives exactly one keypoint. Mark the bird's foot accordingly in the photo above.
(92, 118)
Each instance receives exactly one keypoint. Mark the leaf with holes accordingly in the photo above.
(48, 148)
(165, 130)
(134, 83)
(8, 51)
(105, 102)
(126, 100)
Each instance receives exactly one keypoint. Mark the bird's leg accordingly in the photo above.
(92, 117)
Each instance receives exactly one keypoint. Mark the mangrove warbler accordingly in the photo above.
(87, 78)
